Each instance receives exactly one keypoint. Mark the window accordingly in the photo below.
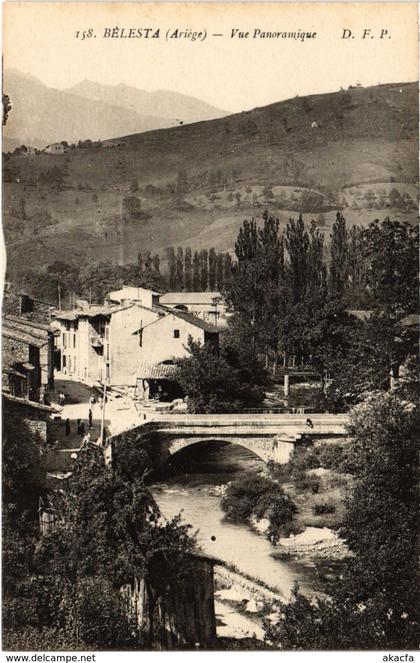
(176, 333)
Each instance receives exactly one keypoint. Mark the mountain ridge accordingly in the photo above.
(41, 115)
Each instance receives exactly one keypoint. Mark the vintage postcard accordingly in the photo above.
(210, 327)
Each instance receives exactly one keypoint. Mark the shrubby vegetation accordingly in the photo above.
(374, 604)
(258, 496)
(62, 590)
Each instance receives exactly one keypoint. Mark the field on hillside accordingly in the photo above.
(194, 185)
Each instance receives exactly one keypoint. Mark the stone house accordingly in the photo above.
(115, 342)
(34, 415)
(55, 148)
(27, 357)
(23, 305)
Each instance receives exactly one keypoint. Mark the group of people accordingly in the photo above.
(80, 425)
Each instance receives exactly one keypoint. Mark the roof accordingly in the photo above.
(26, 322)
(23, 401)
(92, 311)
(194, 320)
(24, 331)
(150, 371)
(189, 297)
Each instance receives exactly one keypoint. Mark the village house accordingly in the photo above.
(132, 343)
(208, 306)
(27, 358)
(55, 148)
(21, 304)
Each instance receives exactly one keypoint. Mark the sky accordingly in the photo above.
(233, 74)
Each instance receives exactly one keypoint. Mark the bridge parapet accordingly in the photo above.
(269, 436)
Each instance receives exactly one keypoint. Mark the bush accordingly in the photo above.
(244, 495)
(280, 514)
(321, 508)
(255, 495)
(305, 483)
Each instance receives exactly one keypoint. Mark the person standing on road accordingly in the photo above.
(82, 428)
(68, 427)
(86, 440)
(90, 418)
(92, 401)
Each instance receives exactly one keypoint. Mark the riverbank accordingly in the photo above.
(241, 603)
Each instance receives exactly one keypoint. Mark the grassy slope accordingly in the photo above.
(366, 139)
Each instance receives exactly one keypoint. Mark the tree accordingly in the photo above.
(390, 250)
(220, 281)
(196, 283)
(170, 257)
(188, 277)
(7, 107)
(375, 603)
(339, 257)
(214, 383)
(156, 263)
(357, 271)
(179, 268)
(109, 531)
(297, 246)
(212, 269)
(204, 269)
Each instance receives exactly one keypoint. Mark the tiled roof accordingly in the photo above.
(26, 322)
(194, 320)
(24, 331)
(149, 371)
(189, 297)
(91, 311)
(27, 403)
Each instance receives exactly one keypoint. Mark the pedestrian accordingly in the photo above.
(68, 427)
(78, 426)
(90, 418)
(82, 428)
(92, 400)
(100, 401)
(86, 440)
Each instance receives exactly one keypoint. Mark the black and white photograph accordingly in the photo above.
(210, 329)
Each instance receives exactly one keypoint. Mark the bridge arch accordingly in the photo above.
(176, 445)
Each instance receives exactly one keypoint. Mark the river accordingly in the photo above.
(187, 484)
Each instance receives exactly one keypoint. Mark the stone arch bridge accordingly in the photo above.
(269, 436)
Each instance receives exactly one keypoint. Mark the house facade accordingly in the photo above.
(27, 358)
(116, 342)
(209, 306)
(55, 148)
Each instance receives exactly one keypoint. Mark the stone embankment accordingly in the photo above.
(241, 603)
(314, 543)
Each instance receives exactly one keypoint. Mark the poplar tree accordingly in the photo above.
(179, 268)
(204, 269)
(212, 269)
(339, 254)
(188, 269)
(170, 257)
(196, 282)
